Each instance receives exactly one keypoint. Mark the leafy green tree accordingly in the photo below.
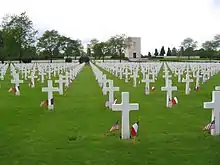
(162, 51)
(92, 44)
(174, 52)
(1, 39)
(189, 43)
(69, 47)
(217, 37)
(97, 49)
(49, 42)
(117, 45)
(216, 41)
(210, 49)
(89, 53)
(169, 53)
(209, 45)
(19, 33)
(1, 47)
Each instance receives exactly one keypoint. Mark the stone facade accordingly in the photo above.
(134, 47)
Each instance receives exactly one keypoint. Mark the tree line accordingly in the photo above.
(189, 47)
(19, 40)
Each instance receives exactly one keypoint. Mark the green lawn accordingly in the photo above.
(74, 133)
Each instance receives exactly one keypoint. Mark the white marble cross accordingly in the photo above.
(32, 77)
(197, 76)
(25, 73)
(187, 80)
(50, 89)
(169, 88)
(143, 71)
(42, 74)
(126, 75)
(125, 107)
(147, 82)
(110, 89)
(104, 84)
(135, 76)
(16, 81)
(60, 82)
(102, 79)
(1, 74)
(67, 81)
(204, 76)
(166, 76)
(121, 73)
(215, 106)
(154, 74)
(49, 72)
(179, 73)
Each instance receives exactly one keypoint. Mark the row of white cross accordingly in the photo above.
(125, 107)
(3, 69)
(146, 79)
(70, 73)
(204, 71)
(151, 70)
(108, 87)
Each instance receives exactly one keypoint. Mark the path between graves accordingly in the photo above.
(81, 112)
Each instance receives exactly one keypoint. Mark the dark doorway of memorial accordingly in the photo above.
(134, 55)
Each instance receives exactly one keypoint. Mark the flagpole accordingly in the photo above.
(133, 140)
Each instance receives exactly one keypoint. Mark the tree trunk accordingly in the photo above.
(51, 57)
(20, 54)
(120, 55)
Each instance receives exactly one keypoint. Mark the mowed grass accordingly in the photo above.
(74, 133)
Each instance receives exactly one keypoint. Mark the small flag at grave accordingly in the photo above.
(134, 129)
(153, 88)
(197, 89)
(14, 89)
(173, 101)
(114, 127)
(45, 102)
(209, 126)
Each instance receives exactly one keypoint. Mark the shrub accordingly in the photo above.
(69, 60)
(83, 59)
(118, 58)
(26, 60)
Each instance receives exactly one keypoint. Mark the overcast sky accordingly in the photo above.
(157, 22)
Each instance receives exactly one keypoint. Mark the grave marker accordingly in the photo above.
(125, 107)
(215, 106)
(50, 89)
(169, 88)
(110, 89)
